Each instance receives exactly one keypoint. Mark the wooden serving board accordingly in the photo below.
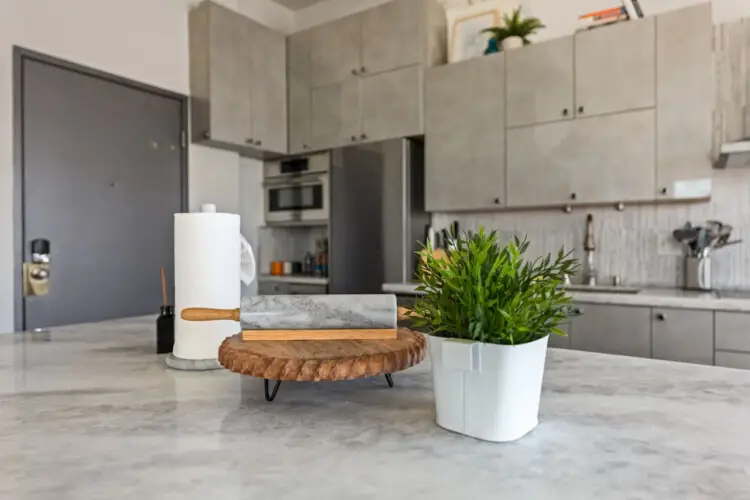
(274, 335)
(322, 361)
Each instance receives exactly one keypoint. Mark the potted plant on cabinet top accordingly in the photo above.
(516, 31)
(490, 313)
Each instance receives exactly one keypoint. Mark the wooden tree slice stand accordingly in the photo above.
(318, 361)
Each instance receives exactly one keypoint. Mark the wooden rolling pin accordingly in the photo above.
(309, 317)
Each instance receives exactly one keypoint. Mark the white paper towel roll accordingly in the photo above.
(207, 274)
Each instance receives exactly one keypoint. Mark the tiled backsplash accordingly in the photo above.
(635, 244)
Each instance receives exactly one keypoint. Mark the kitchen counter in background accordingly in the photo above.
(295, 279)
(610, 427)
(648, 297)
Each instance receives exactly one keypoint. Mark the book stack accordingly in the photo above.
(602, 18)
(630, 9)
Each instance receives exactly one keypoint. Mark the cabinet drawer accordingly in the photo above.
(733, 359)
(300, 289)
(683, 335)
(272, 288)
(732, 331)
(611, 329)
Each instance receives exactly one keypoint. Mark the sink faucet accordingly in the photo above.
(589, 246)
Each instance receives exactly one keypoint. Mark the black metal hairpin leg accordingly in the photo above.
(389, 379)
(272, 396)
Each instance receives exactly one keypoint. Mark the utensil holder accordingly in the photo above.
(697, 273)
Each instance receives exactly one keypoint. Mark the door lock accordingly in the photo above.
(36, 272)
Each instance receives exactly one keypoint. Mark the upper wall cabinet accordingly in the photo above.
(397, 34)
(359, 79)
(615, 68)
(298, 80)
(237, 82)
(685, 102)
(464, 135)
(335, 51)
(540, 83)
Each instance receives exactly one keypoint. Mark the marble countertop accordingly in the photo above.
(90, 412)
(650, 297)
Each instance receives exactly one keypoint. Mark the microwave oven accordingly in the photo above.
(297, 191)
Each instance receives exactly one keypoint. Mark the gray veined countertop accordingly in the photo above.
(89, 411)
(647, 297)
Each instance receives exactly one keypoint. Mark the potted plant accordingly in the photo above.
(489, 314)
(516, 31)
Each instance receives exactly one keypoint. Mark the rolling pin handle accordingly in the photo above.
(205, 314)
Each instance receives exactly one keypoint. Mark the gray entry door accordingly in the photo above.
(102, 178)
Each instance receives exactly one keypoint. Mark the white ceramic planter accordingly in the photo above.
(487, 391)
(512, 42)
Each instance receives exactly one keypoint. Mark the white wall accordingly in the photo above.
(560, 16)
(144, 40)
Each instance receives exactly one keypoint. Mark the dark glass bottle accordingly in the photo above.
(165, 330)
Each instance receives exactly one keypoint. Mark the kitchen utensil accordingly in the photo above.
(322, 317)
(697, 273)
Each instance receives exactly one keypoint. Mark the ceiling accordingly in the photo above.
(297, 4)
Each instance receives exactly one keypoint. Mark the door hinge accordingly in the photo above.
(183, 139)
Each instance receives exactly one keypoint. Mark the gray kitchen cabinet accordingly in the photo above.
(391, 104)
(613, 158)
(739, 360)
(237, 81)
(540, 83)
(335, 115)
(272, 288)
(615, 68)
(220, 76)
(391, 36)
(268, 89)
(685, 102)
(559, 341)
(394, 35)
(683, 335)
(299, 104)
(732, 331)
(540, 161)
(464, 135)
(612, 329)
(335, 51)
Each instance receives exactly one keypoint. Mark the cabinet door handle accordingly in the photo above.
(305, 146)
(497, 201)
(565, 112)
(573, 196)
(663, 190)
(577, 311)
(363, 70)
(363, 136)
(580, 110)
(206, 135)
(258, 143)
(249, 141)
(660, 317)
(355, 72)
(354, 138)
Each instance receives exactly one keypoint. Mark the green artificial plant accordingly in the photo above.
(487, 292)
(515, 26)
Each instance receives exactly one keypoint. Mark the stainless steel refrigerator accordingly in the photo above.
(378, 221)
